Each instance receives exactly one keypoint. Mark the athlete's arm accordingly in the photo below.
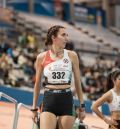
(107, 97)
(76, 73)
(39, 69)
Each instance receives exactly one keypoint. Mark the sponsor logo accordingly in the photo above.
(66, 61)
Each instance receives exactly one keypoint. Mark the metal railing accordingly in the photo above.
(18, 110)
(13, 101)
(8, 97)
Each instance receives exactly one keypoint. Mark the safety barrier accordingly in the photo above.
(13, 101)
(18, 110)
(17, 114)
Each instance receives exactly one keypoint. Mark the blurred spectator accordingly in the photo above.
(31, 40)
(117, 62)
(22, 39)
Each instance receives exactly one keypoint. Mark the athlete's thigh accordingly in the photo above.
(66, 122)
(47, 120)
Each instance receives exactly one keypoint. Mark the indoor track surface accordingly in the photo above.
(25, 121)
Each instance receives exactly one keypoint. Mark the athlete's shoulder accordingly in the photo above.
(72, 53)
(41, 55)
(107, 96)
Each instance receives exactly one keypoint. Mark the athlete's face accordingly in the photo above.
(117, 81)
(61, 39)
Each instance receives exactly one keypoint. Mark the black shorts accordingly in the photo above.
(118, 126)
(58, 102)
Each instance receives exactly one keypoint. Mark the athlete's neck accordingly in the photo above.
(117, 90)
(57, 51)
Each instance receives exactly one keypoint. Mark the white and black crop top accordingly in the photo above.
(115, 104)
(57, 72)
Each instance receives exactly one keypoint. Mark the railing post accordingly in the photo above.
(15, 117)
(17, 113)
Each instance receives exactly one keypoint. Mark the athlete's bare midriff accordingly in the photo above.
(115, 115)
(58, 87)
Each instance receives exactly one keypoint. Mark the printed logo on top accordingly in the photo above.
(66, 61)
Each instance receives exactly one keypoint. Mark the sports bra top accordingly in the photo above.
(57, 72)
(115, 104)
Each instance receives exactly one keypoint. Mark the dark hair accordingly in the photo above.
(111, 77)
(115, 75)
(53, 31)
(69, 46)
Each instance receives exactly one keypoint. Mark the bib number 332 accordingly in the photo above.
(58, 75)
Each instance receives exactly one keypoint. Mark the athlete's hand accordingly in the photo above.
(82, 114)
(112, 123)
(34, 116)
(112, 127)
